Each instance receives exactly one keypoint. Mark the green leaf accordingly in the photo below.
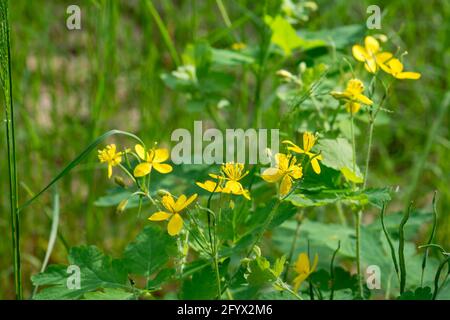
(284, 36)
(110, 294)
(341, 37)
(229, 58)
(150, 251)
(202, 285)
(337, 154)
(96, 271)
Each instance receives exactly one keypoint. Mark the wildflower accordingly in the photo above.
(228, 182)
(353, 96)
(395, 68)
(110, 156)
(303, 268)
(285, 170)
(152, 159)
(174, 209)
(238, 46)
(370, 54)
(308, 142)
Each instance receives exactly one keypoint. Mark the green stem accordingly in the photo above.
(293, 245)
(369, 149)
(266, 225)
(164, 32)
(358, 252)
(11, 145)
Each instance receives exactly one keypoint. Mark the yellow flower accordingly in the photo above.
(173, 212)
(308, 142)
(370, 54)
(152, 159)
(285, 170)
(238, 46)
(228, 182)
(303, 268)
(395, 68)
(353, 96)
(110, 156)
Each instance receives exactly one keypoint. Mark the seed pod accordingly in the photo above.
(120, 182)
(122, 206)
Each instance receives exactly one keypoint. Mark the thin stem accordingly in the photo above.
(358, 252)
(293, 245)
(266, 225)
(11, 146)
(164, 32)
(352, 130)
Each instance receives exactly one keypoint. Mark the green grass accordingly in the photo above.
(69, 87)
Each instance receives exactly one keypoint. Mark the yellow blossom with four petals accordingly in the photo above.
(370, 54)
(308, 142)
(286, 170)
(174, 209)
(110, 155)
(153, 158)
(353, 96)
(228, 182)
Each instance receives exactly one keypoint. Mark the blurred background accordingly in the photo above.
(71, 86)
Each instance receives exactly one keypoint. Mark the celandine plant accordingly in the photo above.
(301, 223)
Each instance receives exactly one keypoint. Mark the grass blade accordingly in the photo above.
(6, 81)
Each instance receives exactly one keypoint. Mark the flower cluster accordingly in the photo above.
(286, 168)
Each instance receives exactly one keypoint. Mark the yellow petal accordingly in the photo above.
(159, 216)
(175, 225)
(183, 202)
(271, 175)
(372, 45)
(282, 161)
(302, 265)
(359, 53)
(382, 57)
(246, 194)
(233, 187)
(210, 186)
(286, 185)
(408, 75)
(179, 203)
(299, 280)
(315, 165)
(353, 107)
(296, 172)
(142, 169)
(293, 146)
(109, 171)
(395, 65)
(308, 141)
(168, 202)
(140, 151)
(161, 155)
(162, 167)
(363, 99)
(190, 200)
